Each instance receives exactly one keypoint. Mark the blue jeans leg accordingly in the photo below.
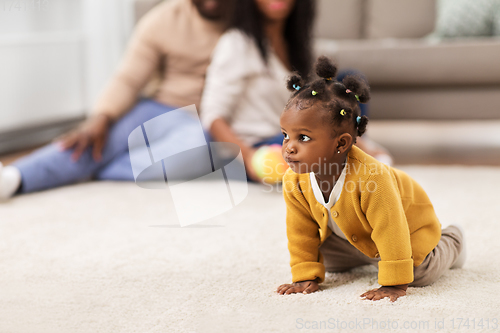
(181, 131)
(48, 167)
(274, 140)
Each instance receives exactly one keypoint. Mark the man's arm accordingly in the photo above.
(140, 61)
(137, 66)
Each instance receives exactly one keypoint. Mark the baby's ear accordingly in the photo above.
(295, 82)
(358, 86)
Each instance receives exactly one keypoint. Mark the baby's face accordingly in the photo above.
(310, 142)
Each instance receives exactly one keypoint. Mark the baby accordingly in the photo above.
(346, 209)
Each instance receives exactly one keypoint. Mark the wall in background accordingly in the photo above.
(55, 57)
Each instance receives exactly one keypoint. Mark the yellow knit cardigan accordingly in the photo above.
(382, 211)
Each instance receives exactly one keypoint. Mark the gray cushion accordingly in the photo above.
(419, 62)
(466, 18)
(339, 19)
(449, 103)
(400, 18)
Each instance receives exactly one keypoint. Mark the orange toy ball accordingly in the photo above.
(269, 164)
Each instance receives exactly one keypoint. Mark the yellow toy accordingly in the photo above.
(269, 164)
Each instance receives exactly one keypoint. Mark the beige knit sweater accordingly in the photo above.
(172, 37)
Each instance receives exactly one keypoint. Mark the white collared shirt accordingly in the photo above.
(334, 197)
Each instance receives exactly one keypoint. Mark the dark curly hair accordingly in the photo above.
(340, 99)
(298, 30)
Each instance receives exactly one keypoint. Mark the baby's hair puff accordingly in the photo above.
(295, 83)
(326, 68)
(338, 98)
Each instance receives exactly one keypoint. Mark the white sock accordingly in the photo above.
(10, 179)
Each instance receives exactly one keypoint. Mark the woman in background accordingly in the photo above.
(244, 91)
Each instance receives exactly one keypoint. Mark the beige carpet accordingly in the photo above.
(107, 257)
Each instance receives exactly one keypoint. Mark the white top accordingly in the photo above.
(334, 197)
(243, 90)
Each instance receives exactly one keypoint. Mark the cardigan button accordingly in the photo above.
(335, 213)
(354, 238)
(377, 255)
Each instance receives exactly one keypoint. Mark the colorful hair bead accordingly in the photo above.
(296, 87)
(358, 119)
(350, 91)
(329, 78)
(342, 112)
(314, 93)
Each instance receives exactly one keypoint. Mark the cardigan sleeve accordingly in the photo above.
(234, 59)
(303, 234)
(383, 207)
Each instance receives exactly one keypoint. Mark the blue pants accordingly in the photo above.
(48, 167)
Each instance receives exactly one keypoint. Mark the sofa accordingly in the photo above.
(411, 76)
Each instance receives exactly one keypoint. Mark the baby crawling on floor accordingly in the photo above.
(346, 209)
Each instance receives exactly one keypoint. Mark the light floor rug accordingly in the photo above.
(110, 257)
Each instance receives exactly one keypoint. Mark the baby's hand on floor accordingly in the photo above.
(393, 292)
(305, 287)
